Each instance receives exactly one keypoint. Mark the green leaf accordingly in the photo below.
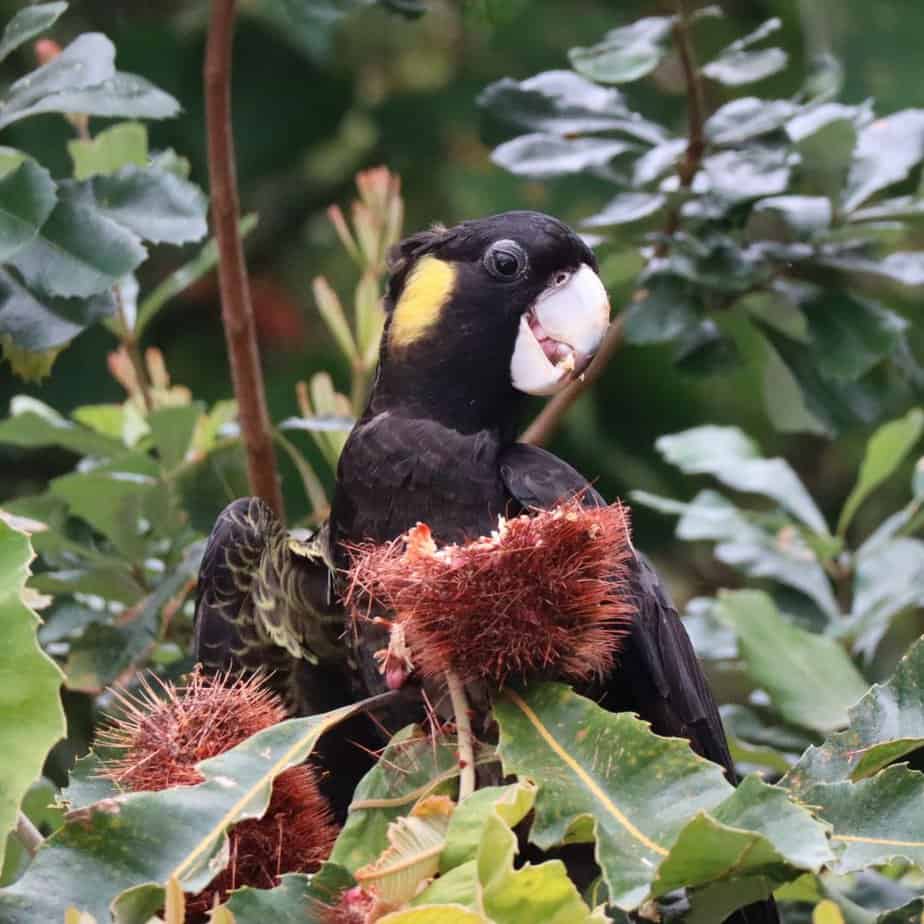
(625, 208)
(135, 840)
(158, 206)
(542, 155)
(781, 555)
(173, 429)
(736, 66)
(887, 449)
(747, 118)
(41, 323)
(530, 893)
(888, 579)
(78, 251)
(851, 335)
(27, 196)
(28, 23)
(885, 725)
(31, 717)
(728, 454)
(636, 801)
(293, 901)
(662, 311)
(756, 831)
(410, 768)
(83, 79)
(564, 103)
(887, 150)
(801, 215)
(747, 173)
(875, 820)
(125, 143)
(819, 682)
(625, 54)
(32, 423)
(38, 805)
(435, 914)
(467, 826)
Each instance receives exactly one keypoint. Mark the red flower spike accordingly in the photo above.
(545, 594)
(163, 734)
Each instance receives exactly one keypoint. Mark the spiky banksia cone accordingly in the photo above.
(162, 735)
(545, 594)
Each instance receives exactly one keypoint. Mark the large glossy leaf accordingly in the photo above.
(747, 173)
(157, 205)
(809, 677)
(875, 820)
(31, 717)
(889, 446)
(756, 831)
(887, 150)
(28, 23)
(543, 155)
(885, 725)
(625, 54)
(27, 196)
(626, 207)
(136, 840)
(78, 251)
(731, 456)
(32, 424)
(604, 776)
(39, 323)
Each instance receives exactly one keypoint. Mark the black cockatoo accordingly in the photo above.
(477, 317)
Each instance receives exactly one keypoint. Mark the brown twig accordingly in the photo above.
(236, 307)
(130, 342)
(548, 419)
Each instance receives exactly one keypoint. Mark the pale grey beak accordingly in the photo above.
(560, 333)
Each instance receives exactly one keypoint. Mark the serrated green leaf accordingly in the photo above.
(27, 23)
(125, 844)
(728, 454)
(111, 149)
(158, 206)
(819, 681)
(78, 251)
(40, 323)
(31, 717)
(638, 798)
(625, 54)
(884, 726)
(27, 197)
(756, 831)
(875, 820)
(889, 446)
(542, 155)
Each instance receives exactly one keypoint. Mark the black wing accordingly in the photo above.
(658, 675)
(262, 604)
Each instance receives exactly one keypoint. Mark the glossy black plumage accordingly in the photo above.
(435, 444)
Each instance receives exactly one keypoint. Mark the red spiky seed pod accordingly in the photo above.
(162, 735)
(545, 594)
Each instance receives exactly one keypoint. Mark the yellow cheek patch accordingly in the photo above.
(425, 294)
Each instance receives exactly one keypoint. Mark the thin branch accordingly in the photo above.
(236, 307)
(465, 738)
(28, 835)
(130, 341)
(547, 421)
